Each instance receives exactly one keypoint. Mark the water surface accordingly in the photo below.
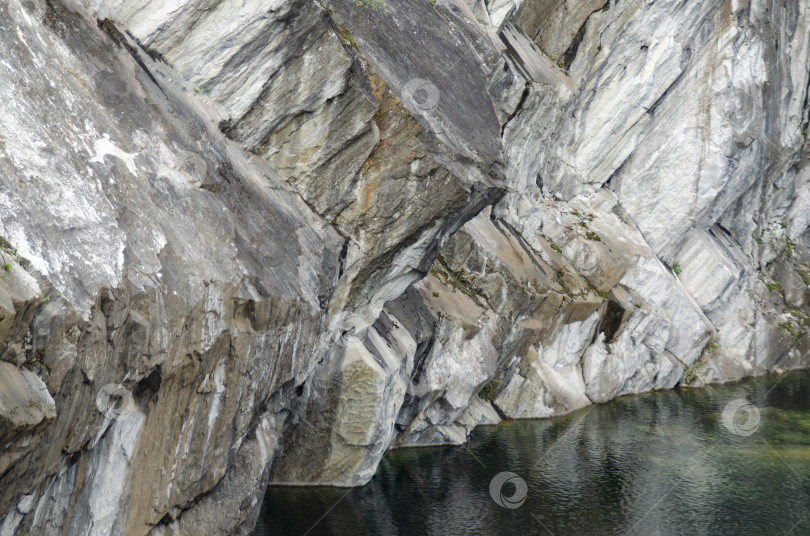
(657, 464)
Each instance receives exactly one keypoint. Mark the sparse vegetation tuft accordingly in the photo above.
(374, 5)
(346, 35)
(796, 333)
(488, 391)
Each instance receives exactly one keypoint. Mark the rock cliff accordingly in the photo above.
(248, 242)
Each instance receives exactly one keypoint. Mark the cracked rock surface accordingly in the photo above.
(247, 242)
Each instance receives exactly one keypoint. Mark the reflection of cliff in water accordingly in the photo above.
(663, 463)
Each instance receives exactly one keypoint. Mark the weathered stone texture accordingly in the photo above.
(246, 242)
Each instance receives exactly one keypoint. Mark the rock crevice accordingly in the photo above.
(246, 243)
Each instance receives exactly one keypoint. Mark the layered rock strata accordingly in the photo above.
(248, 242)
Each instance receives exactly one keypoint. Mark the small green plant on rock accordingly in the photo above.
(590, 235)
(773, 285)
(796, 333)
(488, 391)
(676, 268)
(374, 5)
(458, 279)
(790, 245)
(14, 257)
(690, 373)
(347, 36)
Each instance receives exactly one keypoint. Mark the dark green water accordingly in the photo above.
(663, 463)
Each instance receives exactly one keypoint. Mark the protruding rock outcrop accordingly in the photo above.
(248, 242)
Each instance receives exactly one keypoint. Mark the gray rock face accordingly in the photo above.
(247, 242)
(143, 288)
